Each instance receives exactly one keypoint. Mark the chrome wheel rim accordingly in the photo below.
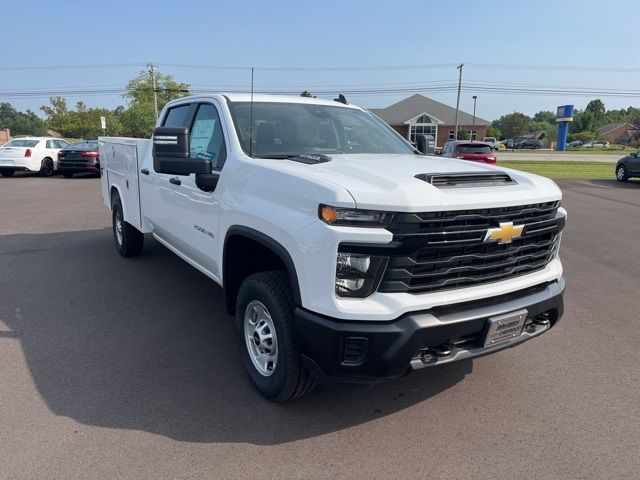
(260, 338)
(118, 228)
(620, 173)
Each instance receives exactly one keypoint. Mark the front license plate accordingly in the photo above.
(505, 327)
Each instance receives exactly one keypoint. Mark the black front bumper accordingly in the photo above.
(366, 352)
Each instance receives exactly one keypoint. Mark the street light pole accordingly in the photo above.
(473, 121)
(455, 132)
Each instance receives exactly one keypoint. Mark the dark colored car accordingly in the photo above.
(79, 157)
(469, 150)
(529, 143)
(628, 167)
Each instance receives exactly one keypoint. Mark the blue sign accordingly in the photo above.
(564, 115)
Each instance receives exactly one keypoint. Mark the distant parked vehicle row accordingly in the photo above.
(79, 157)
(32, 154)
(595, 144)
(492, 142)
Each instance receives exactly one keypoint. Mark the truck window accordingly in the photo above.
(207, 141)
(178, 116)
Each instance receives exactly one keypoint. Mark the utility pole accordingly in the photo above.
(455, 132)
(473, 121)
(155, 90)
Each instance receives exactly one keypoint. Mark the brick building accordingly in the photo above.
(5, 135)
(418, 114)
(621, 133)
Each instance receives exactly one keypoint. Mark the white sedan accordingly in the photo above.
(32, 154)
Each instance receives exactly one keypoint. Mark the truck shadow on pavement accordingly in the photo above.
(146, 344)
(632, 183)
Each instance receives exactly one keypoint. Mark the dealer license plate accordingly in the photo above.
(505, 327)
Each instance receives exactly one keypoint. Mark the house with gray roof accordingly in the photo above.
(418, 114)
(621, 133)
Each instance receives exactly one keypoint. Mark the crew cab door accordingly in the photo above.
(634, 163)
(196, 212)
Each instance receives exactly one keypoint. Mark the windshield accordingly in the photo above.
(473, 148)
(22, 143)
(83, 146)
(289, 129)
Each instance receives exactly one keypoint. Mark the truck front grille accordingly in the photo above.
(446, 250)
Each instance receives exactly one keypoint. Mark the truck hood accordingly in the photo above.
(388, 182)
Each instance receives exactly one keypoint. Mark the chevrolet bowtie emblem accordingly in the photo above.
(505, 233)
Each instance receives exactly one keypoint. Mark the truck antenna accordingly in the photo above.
(251, 119)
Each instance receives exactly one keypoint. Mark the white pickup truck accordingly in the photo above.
(344, 254)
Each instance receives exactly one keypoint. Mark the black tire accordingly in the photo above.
(46, 168)
(289, 378)
(7, 173)
(130, 241)
(67, 174)
(621, 173)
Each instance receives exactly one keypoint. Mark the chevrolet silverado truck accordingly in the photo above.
(345, 254)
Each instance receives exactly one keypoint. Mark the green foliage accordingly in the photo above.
(493, 132)
(21, 123)
(513, 124)
(584, 136)
(463, 135)
(596, 107)
(306, 93)
(138, 120)
(549, 128)
(82, 122)
(545, 116)
(140, 89)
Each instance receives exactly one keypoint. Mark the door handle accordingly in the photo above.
(175, 181)
(144, 171)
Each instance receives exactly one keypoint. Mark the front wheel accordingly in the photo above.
(621, 173)
(264, 326)
(129, 240)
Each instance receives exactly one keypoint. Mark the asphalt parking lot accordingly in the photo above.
(127, 368)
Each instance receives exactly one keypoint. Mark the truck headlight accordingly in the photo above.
(358, 275)
(354, 217)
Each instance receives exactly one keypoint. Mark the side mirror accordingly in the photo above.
(171, 153)
(207, 182)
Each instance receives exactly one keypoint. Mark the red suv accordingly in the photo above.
(469, 150)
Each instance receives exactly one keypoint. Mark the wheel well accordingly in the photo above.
(114, 194)
(245, 255)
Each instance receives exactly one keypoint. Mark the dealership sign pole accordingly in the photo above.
(564, 115)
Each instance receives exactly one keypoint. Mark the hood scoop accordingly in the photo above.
(467, 180)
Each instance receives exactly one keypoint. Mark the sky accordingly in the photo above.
(341, 45)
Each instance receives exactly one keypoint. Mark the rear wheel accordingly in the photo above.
(67, 174)
(621, 173)
(264, 326)
(46, 168)
(7, 173)
(129, 240)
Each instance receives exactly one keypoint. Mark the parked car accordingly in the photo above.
(596, 144)
(79, 157)
(575, 143)
(31, 154)
(340, 264)
(491, 141)
(628, 167)
(530, 143)
(468, 150)
(509, 143)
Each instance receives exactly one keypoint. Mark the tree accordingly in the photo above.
(307, 94)
(596, 107)
(545, 116)
(513, 124)
(463, 135)
(493, 132)
(140, 89)
(83, 122)
(21, 123)
(139, 118)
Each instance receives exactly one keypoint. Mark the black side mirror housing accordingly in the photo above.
(207, 182)
(171, 153)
